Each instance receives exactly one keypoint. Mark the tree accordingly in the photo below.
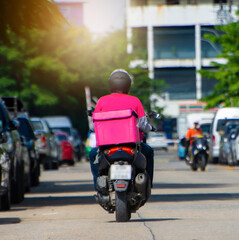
(226, 91)
(22, 15)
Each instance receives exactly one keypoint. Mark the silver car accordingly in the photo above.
(46, 143)
(157, 140)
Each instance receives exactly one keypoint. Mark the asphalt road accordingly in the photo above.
(184, 205)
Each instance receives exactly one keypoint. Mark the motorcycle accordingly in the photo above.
(199, 153)
(123, 185)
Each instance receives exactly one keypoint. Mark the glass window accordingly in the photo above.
(25, 129)
(209, 49)
(62, 129)
(219, 1)
(208, 85)
(174, 43)
(37, 125)
(61, 137)
(181, 82)
(221, 124)
(172, 2)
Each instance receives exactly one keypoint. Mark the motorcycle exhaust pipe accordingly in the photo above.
(141, 184)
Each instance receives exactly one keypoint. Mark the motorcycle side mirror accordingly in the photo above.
(153, 115)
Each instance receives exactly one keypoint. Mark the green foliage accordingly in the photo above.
(143, 87)
(226, 91)
(48, 66)
(28, 14)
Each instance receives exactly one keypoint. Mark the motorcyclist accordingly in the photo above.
(191, 133)
(120, 82)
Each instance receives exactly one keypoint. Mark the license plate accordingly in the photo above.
(120, 172)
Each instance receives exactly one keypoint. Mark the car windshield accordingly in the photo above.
(25, 129)
(222, 123)
(37, 125)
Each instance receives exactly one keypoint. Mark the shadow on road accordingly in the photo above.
(188, 185)
(154, 219)
(4, 221)
(63, 187)
(193, 197)
(47, 194)
(57, 201)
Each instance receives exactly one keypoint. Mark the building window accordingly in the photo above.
(219, 1)
(192, 2)
(172, 2)
(181, 82)
(209, 49)
(138, 2)
(208, 84)
(174, 43)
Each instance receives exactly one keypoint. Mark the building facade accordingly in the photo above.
(171, 33)
(72, 10)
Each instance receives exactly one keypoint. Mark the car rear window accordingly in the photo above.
(61, 137)
(37, 125)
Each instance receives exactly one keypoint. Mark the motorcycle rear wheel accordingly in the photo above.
(194, 166)
(122, 213)
(202, 163)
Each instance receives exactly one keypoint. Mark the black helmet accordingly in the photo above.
(120, 81)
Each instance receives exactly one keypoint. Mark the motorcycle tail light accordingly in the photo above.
(131, 151)
(120, 185)
(112, 150)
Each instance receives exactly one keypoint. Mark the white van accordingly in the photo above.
(222, 116)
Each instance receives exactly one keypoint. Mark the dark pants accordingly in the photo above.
(145, 149)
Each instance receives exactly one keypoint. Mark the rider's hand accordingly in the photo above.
(154, 129)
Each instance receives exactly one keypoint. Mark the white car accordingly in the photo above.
(157, 140)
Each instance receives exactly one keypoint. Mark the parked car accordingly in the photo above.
(78, 145)
(63, 124)
(5, 199)
(12, 185)
(27, 133)
(46, 143)
(234, 147)
(222, 116)
(17, 110)
(157, 140)
(225, 142)
(67, 155)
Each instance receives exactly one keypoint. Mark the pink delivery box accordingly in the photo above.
(116, 127)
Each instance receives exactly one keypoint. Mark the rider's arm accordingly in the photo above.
(144, 126)
(188, 134)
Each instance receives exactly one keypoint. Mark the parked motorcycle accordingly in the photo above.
(123, 185)
(199, 153)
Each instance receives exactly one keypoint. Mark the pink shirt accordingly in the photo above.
(120, 101)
